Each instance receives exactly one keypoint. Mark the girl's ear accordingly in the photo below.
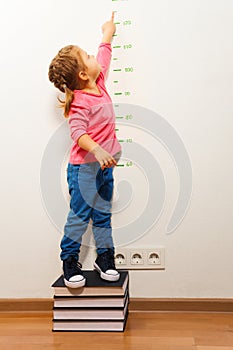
(83, 75)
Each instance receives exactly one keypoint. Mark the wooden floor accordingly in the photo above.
(144, 331)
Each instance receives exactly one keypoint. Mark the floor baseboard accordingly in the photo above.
(136, 304)
(182, 304)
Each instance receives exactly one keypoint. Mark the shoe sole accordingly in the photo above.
(105, 276)
(78, 284)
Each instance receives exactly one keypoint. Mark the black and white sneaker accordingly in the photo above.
(105, 265)
(73, 275)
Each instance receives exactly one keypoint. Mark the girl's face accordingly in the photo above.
(92, 67)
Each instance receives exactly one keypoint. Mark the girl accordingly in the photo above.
(92, 157)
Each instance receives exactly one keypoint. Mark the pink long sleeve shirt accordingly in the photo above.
(93, 114)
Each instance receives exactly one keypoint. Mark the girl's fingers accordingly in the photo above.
(108, 163)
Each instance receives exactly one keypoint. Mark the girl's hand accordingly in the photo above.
(108, 29)
(103, 157)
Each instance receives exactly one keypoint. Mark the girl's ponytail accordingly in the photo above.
(68, 100)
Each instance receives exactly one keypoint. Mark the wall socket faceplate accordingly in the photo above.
(140, 259)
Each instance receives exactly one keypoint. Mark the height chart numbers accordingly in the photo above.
(122, 62)
(123, 70)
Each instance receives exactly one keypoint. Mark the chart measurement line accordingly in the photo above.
(130, 140)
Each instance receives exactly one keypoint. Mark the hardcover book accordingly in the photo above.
(90, 301)
(89, 326)
(94, 286)
(90, 313)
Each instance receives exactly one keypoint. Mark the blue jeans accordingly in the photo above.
(91, 192)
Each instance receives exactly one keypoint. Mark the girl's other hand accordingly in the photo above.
(104, 158)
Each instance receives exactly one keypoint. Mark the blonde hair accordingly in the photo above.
(63, 73)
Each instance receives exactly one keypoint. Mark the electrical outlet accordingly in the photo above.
(120, 259)
(154, 258)
(140, 259)
(136, 258)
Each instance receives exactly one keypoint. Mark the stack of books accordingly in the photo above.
(99, 306)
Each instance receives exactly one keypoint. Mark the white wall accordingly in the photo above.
(182, 58)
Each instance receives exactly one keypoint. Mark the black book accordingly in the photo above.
(94, 287)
